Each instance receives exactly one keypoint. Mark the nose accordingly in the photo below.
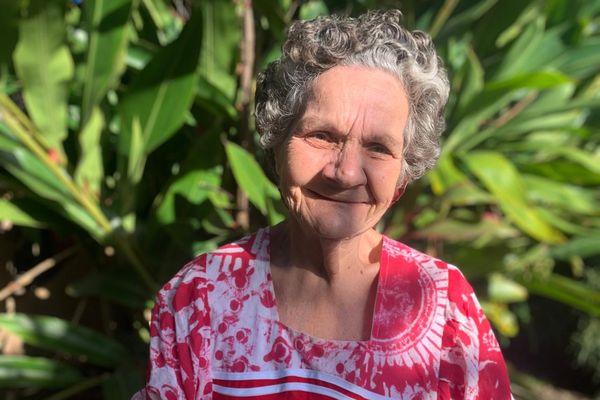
(347, 168)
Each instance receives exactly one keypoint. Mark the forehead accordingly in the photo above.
(351, 98)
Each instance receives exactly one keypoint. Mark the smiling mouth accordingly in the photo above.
(335, 199)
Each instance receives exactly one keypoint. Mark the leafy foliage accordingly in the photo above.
(124, 129)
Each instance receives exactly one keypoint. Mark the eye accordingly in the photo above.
(378, 148)
(320, 136)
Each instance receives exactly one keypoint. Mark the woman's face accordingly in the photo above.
(341, 166)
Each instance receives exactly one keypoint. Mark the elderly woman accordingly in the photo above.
(323, 306)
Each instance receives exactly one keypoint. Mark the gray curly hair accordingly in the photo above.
(376, 40)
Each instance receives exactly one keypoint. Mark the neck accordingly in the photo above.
(332, 259)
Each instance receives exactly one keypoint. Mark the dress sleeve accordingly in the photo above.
(472, 366)
(180, 339)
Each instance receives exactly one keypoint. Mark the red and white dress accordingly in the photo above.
(216, 334)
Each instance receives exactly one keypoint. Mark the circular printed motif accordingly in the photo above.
(407, 301)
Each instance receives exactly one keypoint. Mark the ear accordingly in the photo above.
(399, 191)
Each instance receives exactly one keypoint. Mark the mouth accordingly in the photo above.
(336, 198)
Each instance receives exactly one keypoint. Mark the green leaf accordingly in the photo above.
(163, 91)
(473, 80)
(137, 158)
(452, 230)
(583, 246)
(312, 9)
(107, 29)
(33, 173)
(503, 180)
(11, 212)
(565, 290)
(502, 318)
(122, 287)
(532, 80)
(90, 170)
(44, 65)
(250, 176)
(504, 290)
(221, 37)
(567, 197)
(8, 31)
(55, 334)
(35, 372)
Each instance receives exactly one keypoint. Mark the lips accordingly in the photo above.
(346, 197)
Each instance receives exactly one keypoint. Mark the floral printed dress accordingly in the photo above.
(216, 334)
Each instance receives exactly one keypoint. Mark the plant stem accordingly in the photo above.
(442, 16)
(18, 125)
(57, 171)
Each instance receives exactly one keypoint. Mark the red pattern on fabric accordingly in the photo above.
(218, 316)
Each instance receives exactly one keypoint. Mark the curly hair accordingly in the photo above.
(375, 40)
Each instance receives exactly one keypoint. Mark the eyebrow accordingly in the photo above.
(315, 123)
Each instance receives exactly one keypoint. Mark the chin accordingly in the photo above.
(339, 230)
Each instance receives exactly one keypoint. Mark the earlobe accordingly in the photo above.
(399, 192)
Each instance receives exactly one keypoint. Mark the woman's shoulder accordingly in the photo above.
(459, 289)
(205, 268)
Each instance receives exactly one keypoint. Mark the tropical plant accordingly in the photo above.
(127, 146)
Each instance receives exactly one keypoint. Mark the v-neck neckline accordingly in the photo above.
(381, 278)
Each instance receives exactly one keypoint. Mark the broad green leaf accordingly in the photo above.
(579, 156)
(34, 174)
(13, 213)
(163, 91)
(534, 49)
(483, 107)
(563, 170)
(582, 61)
(473, 80)
(90, 170)
(7, 144)
(465, 19)
(251, 178)
(137, 157)
(501, 317)
(445, 175)
(198, 180)
(566, 290)
(107, 29)
(312, 9)
(532, 80)
(221, 37)
(194, 186)
(584, 246)
(567, 197)
(504, 290)
(55, 334)
(44, 65)
(8, 32)
(452, 230)
(503, 180)
(122, 287)
(35, 372)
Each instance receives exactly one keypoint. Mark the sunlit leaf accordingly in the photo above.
(44, 64)
(107, 27)
(163, 91)
(35, 372)
(585, 246)
(11, 212)
(502, 179)
(90, 169)
(504, 290)
(566, 290)
(249, 175)
(221, 36)
(57, 335)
